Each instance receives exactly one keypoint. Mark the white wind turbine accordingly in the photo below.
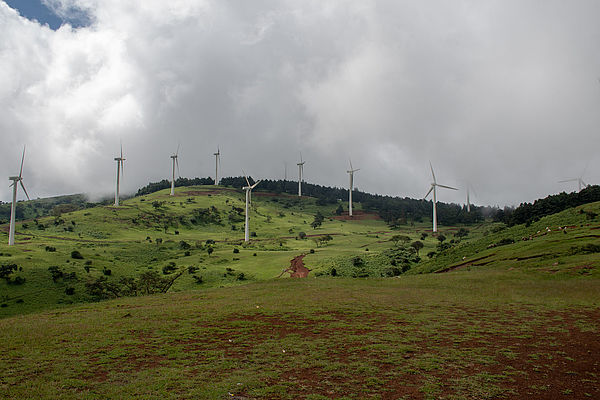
(469, 188)
(248, 190)
(351, 171)
(300, 173)
(175, 162)
(120, 172)
(433, 187)
(217, 164)
(13, 208)
(581, 183)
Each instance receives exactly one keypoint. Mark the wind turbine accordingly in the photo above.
(300, 173)
(433, 187)
(351, 171)
(582, 184)
(248, 190)
(175, 162)
(120, 172)
(13, 208)
(469, 188)
(217, 163)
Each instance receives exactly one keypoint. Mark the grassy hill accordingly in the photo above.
(60, 256)
(504, 317)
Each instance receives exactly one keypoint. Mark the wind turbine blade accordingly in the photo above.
(350, 164)
(177, 163)
(247, 181)
(25, 190)
(432, 174)
(568, 180)
(256, 184)
(122, 167)
(583, 183)
(121, 149)
(300, 157)
(430, 189)
(444, 186)
(177, 152)
(22, 160)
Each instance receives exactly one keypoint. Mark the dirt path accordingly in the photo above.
(297, 268)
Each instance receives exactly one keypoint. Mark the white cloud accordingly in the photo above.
(498, 93)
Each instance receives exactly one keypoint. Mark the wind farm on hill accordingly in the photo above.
(440, 239)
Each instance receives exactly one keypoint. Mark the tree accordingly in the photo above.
(318, 220)
(462, 232)
(339, 210)
(400, 238)
(417, 245)
(441, 238)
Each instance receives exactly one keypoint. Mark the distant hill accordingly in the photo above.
(46, 206)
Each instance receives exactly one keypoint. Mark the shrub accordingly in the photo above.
(169, 268)
(50, 248)
(70, 291)
(312, 251)
(301, 235)
(236, 250)
(75, 254)
(192, 269)
(56, 272)
(198, 279)
(183, 245)
(107, 272)
(18, 280)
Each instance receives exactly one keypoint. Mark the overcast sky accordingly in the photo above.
(503, 94)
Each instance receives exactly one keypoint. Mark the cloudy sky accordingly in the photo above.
(503, 94)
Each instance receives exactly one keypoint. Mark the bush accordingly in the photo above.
(198, 279)
(107, 272)
(50, 248)
(312, 251)
(169, 268)
(56, 272)
(301, 235)
(183, 245)
(18, 280)
(76, 255)
(236, 250)
(70, 291)
(192, 269)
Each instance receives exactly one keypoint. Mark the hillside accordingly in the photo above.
(196, 237)
(504, 317)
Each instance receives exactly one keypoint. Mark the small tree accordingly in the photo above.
(423, 236)
(441, 238)
(339, 210)
(462, 232)
(417, 245)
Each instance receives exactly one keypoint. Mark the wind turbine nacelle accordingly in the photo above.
(14, 178)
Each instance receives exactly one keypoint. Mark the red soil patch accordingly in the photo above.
(297, 268)
(357, 215)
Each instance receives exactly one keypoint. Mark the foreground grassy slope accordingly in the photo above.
(478, 334)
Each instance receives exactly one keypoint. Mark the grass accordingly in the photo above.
(461, 335)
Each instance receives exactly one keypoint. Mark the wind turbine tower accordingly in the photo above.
(120, 172)
(248, 190)
(13, 207)
(217, 163)
(433, 188)
(300, 173)
(351, 171)
(175, 162)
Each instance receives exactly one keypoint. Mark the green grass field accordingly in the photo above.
(504, 317)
